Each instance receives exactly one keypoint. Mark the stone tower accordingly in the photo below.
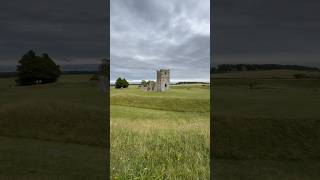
(163, 79)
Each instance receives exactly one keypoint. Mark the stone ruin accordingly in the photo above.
(162, 83)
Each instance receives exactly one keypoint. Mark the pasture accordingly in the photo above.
(266, 127)
(160, 135)
(53, 131)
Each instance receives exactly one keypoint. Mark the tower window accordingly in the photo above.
(165, 85)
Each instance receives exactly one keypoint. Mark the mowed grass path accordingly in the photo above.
(53, 131)
(160, 135)
(270, 131)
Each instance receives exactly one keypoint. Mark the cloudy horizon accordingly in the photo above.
(148, 35)
(73, 33)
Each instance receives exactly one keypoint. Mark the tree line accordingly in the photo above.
(253, 67)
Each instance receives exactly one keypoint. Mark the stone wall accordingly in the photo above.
(162, 83)
(151, 86)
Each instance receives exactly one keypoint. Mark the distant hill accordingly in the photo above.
(254, 67)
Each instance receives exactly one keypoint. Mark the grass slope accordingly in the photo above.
(270, 131)
(160, 135)
(37, 159)
(36, 121)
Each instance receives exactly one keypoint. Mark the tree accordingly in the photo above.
(33, 69)
(121, 83)
(125, 83)
(118, 83)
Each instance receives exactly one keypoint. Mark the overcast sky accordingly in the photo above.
(147, 35)
(72, 32)
(267, 31)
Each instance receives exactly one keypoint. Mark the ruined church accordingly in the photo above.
(162, 83)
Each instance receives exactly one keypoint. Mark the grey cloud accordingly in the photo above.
(65, 29)
(148, 35)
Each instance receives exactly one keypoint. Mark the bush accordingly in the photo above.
(33, 69)
(121, 83)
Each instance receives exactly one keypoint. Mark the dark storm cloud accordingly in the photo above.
(72, 32)
(147, 35)
(266, 31)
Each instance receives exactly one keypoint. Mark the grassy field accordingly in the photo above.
(266, 74)
(267, 131)
(266, 128)
(53, 131)
(160, 135)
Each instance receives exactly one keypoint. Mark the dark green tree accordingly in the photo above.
(118, 83)
(33, 69)
(125, 83)
(121, 83)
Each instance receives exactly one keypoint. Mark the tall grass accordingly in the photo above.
(160, 135)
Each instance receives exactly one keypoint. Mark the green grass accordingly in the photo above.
(227, 169)
(25, 158)
(69, 117)
(160, 135)
(270, 131)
